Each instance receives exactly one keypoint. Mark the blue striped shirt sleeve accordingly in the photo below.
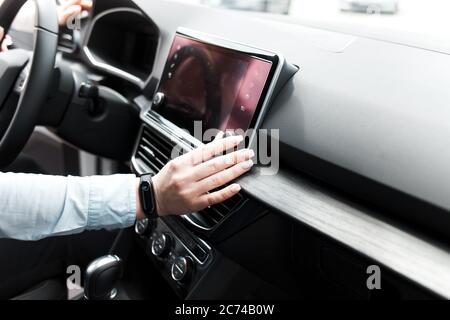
(33, 207)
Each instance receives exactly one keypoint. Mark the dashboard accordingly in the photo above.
(132, 53)
(219, 85)
(350, 167)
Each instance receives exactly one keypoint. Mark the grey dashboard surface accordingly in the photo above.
(376, 108)
(417, 259)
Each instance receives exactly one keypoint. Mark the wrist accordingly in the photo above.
(159, 208)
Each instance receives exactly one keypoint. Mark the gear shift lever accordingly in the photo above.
(101, 277)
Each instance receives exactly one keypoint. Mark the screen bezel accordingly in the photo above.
(237, 48)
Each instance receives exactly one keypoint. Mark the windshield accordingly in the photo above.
(424, 23)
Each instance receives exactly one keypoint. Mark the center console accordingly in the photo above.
(177, 253)
(208, 83)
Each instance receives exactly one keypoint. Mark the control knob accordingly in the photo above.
(158, 99)
(141, 227)
(181, 268)
(161, 245)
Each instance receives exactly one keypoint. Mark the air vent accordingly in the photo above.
(154, 152)
(212, 216)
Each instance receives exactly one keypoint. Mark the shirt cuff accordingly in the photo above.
(112, 202)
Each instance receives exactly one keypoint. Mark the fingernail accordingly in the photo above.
(250, 153)
(247, 164)
(235, 188)
(239, 138)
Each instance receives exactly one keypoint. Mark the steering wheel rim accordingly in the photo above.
(16, 131)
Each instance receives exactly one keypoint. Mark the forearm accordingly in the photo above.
(36, 206)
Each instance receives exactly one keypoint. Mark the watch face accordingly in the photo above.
(147, 197)
(145, 186)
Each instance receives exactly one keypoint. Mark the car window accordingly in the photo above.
(422, 23)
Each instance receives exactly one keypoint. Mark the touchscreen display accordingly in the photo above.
(220, 87)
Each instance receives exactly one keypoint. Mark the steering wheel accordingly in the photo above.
(25, 77)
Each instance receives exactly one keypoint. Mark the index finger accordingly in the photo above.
(5, 43)
(214, 148)
(84, 4)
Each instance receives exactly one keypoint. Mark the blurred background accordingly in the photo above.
(419, 23)
(420, 15)
(423, 23)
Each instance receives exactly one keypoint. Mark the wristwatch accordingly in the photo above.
(147, 196)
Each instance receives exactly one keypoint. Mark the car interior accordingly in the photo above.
(356, 126)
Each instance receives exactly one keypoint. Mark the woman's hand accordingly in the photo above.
(183, 185)
(66, 11)
(7, 42)
(71, 8)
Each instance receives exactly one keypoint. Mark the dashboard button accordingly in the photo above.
(161, 245)
(158, 99)
(88, 90)
(180, 269)
(141, 227)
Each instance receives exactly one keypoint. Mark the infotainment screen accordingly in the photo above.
(221, 87)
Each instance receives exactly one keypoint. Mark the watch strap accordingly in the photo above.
(147, 196)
